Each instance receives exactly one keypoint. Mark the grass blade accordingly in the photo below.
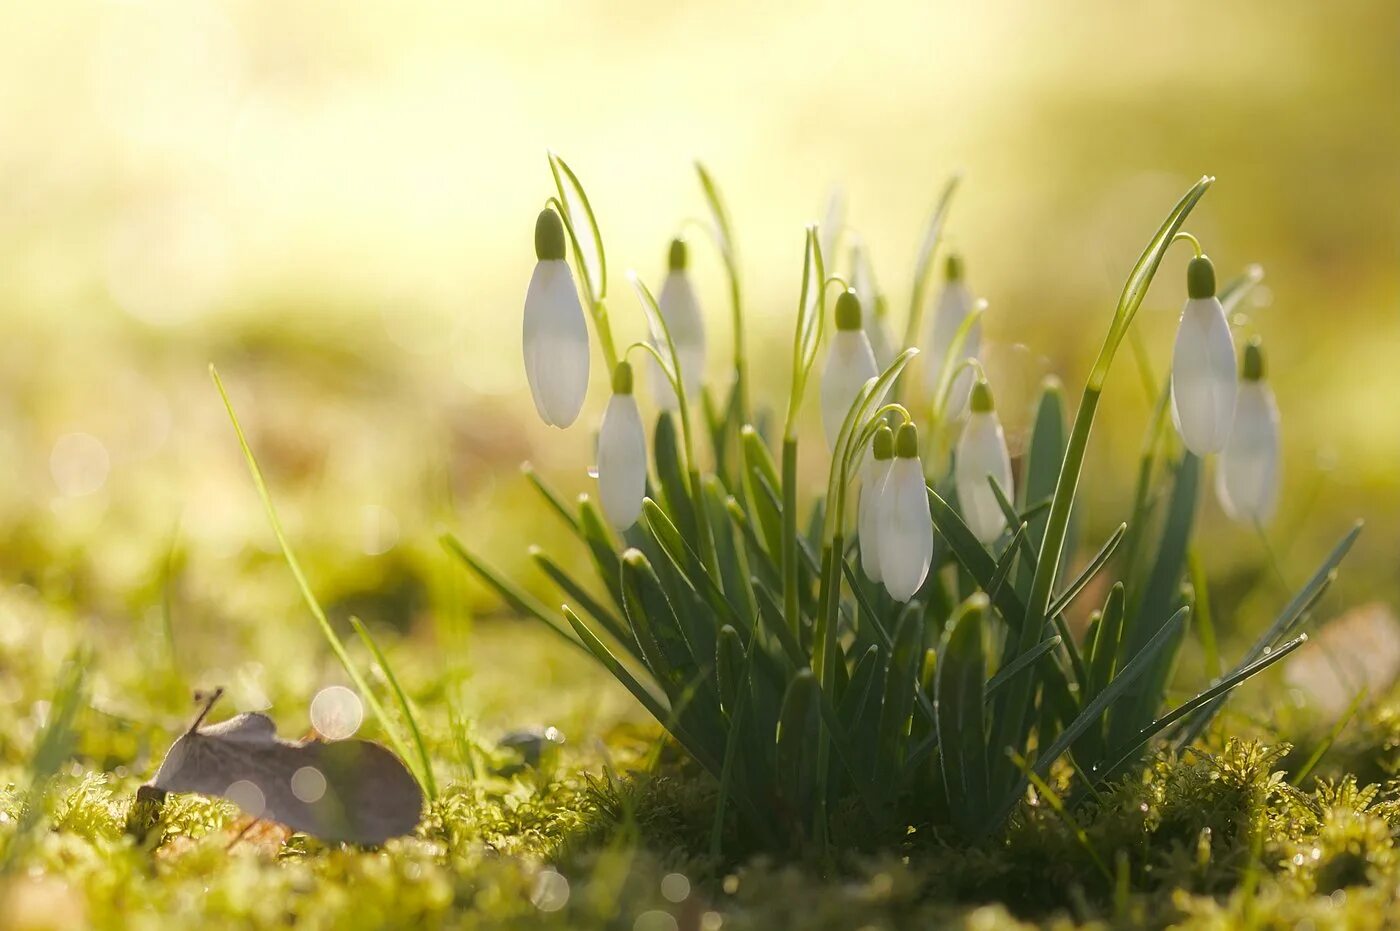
(424, 761)
(338, 648)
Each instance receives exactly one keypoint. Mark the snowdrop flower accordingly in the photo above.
(954, 303)
(681, 311)
(876, 324)
(905, 525)
(1203, 365)
(1247, 476)
(622, 454)
(982, 452)
(556, 336)
(873, 472)
(850, 363)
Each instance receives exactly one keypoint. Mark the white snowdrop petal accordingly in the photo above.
(1247, 475)
(954, 303)
(906, 530)
(1204, 382)
(982, 452)
(681, 311)
(622, 461)
(874, 472)
(555, 343)
(850, 363)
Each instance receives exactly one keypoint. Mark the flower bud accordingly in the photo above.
(981, 452)
(681, 310)
(953, 305)
(905, 525)
(555, 337)
(1247, 475)
(622, 454)
(873, 472)
(850, 363)
(1203, 365)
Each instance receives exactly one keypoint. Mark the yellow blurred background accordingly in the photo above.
(335, 203)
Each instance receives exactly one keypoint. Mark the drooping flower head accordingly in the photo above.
(1203, 365)
(905, 524)
(850, 363)
(622, 454)
(1247, 475)
(681, 310)
(953, 305)
(874, 470)
(555, 335)
(981, 452)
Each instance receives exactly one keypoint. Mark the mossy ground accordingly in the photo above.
(600, 832)
(170, 581)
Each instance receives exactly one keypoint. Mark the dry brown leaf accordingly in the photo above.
(347, 790)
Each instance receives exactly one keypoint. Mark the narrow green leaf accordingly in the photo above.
(425, 762)
(958, 701)
(1093, 712)
(1288, 620)
(1080, 583)
(1035, 653)
(1156, 603)
(901, 682)
(1128, 751)
(515, 597)
(576, 593)
(551, 497)
(797, 732)
(588, 242)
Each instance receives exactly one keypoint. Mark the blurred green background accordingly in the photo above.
(334, 203)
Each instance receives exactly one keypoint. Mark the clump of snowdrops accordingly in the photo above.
(892, 651)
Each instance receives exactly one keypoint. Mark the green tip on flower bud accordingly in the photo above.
(679, 255)
(906, 442)
(848, 311)
(1200, 277)
(622, 378)
(1254, 360)
(982, 397)
(883, 443)
(549, 236)
(953, 267)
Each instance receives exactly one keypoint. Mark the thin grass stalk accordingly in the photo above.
(333, 639)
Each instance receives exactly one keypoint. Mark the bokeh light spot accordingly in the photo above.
(551, 891)
(337, 712)
(247, 796)
(308, 784)
(655, 920)
(675, 887)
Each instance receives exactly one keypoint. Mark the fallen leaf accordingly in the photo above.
(346, 790)
(1357, 650)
